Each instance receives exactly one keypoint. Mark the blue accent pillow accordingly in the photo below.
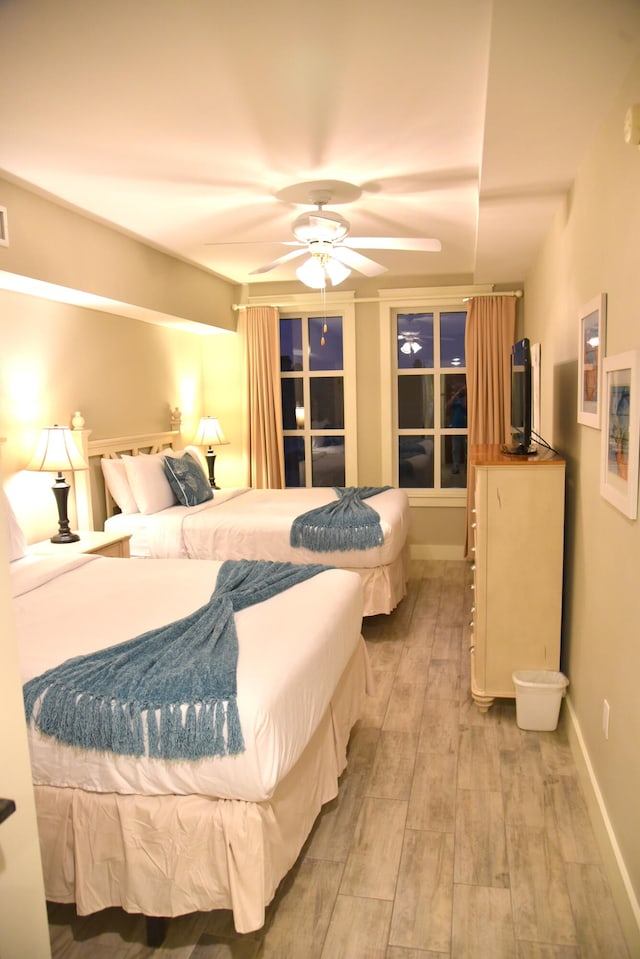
(187, 480)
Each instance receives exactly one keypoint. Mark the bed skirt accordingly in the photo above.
(384, 586)
(172, 855)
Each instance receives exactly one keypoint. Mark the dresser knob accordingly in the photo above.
(474, 526)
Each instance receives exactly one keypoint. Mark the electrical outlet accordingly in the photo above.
(605, 718)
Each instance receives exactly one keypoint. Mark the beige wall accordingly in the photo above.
(53, 244)
(593, 248)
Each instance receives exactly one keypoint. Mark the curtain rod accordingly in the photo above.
(380, 299)
(516, 293)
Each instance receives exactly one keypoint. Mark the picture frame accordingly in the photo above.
(620, 443)
(592, 330)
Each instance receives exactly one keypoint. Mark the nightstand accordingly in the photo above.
(91, 541)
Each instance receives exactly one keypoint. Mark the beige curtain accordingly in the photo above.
(262, 350)
(490, 333)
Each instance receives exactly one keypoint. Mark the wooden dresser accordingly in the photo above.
(517, 550)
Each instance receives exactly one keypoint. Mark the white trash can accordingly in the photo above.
(539, 695)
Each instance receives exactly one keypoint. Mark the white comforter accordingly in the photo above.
(292, 652)
(256, 524)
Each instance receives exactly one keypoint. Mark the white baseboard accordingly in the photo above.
(624, 897)
(443, 551)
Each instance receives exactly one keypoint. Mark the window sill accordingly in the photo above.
(437, 500)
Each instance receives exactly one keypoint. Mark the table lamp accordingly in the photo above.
(57, 452)
(210, 434)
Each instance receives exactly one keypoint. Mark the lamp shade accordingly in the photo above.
(210, 433)
(312, 274)
(315, 271)
(56, 452)
(336, 271)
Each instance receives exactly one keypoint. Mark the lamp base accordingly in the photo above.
(65, 538)
(61, 492)
(211, 464)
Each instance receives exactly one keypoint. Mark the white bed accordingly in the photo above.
(255, 524)
(246, 523)
(164, 838)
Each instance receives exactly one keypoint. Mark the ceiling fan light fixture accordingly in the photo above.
(410, 346)
(336, 271)
(312, 273)
(319, 268)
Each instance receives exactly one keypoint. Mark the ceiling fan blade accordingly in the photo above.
(281, 259)
(424, 245)
(295, 243)
(247, 243)
(357, 262)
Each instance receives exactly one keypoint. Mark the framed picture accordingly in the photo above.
(620, 431)
(591, 351)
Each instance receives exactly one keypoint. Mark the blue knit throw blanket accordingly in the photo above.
(169, 693)
(344, 524)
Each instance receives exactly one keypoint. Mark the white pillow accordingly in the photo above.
(16, 539)
(148, 482)
(115, 476)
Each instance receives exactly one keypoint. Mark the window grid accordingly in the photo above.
(305, 375)
(438, 431)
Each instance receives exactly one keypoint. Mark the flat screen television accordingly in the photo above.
(520, 400)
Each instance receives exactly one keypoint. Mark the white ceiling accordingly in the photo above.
(179, 120)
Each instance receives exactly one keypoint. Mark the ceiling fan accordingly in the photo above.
(323, 236)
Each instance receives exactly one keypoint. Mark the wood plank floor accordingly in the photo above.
(455, 834)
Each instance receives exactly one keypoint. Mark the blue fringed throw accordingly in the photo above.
(169, 693)
(344, 524)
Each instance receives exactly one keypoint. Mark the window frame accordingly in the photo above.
(329, 304)
(427, 300)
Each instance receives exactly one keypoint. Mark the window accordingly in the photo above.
(315, 353)
(431, 399)
(424, 393)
